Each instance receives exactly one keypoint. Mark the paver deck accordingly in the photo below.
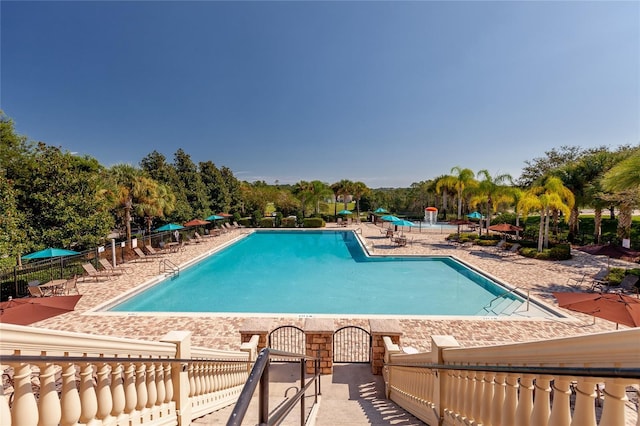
(540, 278)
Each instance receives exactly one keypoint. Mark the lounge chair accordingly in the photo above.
(94, 273)
(238, 225)
(500, 246)
(145, 257)
(115, 269)
(152, 252)
(593, 280)
(69, 287)
(35, 291)
(199, 237)
(511, 251)
(627, 285)
(229, 227)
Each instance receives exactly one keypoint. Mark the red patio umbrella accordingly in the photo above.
(197, 222)
(33, 309)
(613, 307)
(611, 250)
(504, 227)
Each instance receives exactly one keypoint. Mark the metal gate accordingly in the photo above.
(288, 338)
(351, 344)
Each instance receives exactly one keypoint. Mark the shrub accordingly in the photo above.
(288, 222)
(267, 222)
(245, 221)
(558, 252)
(313, 222)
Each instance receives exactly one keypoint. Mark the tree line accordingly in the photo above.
(52, 198)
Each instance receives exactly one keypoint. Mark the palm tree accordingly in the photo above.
(303, 190)
(623, 180)
(493, 191)
(544, 198)
(318, 192)
(154, 200)
(460, 181)
(342, 188)
(359, 190)
(443, 186)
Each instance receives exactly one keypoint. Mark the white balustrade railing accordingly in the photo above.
(561, 382)
(62, 378)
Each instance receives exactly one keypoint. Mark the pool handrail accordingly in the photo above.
(260, 376)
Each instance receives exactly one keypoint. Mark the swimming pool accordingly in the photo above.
(321, 272)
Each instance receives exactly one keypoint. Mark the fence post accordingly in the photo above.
(318, 334)
(441, 385)
(180, 374)
(380, 328)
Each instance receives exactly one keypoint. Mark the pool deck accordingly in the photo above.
(540, 278)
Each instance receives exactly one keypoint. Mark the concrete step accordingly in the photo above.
(350, 396)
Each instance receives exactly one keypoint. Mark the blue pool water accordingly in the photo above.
(317, 272)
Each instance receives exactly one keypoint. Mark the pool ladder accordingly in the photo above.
(168, 267)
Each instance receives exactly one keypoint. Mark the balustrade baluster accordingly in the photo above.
(209, 376)
(152, 392)
(117, 390)
(71, 409)
(48, 403)
(487, 398)
(497, 402)
(561, 409)
(525, 400)
(475, 397)
(88, 399)
(466, 395)
(584, 412)
(510, 400)
(162, 394)
(217, 383)
(104, 397)
(25, 406)
(615, 396)
(141, 387)
(168, 383)
(192, 381)
(130, 394)
(456, 401)
(541, 402)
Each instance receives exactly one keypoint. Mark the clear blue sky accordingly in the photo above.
(388, 93)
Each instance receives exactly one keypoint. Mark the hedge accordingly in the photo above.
(313, 222)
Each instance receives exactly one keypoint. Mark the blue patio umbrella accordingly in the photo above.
(402, 222)
(344, 212)
(214, 217)
(49, 253)
(169, 227)
(475, 215)
(381, 210)
(390, 218)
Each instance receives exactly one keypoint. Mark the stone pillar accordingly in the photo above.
(256, 326)
(380, 328)
(319, 338)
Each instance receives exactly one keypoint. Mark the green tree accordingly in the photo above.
(549, 195)
(154, 200)
(217, 191)
(341, 189)
(623, 181)
(359, 190)
(193, 187)
(492, 191)
(319, 192)
(60, 200)
(460, 180)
